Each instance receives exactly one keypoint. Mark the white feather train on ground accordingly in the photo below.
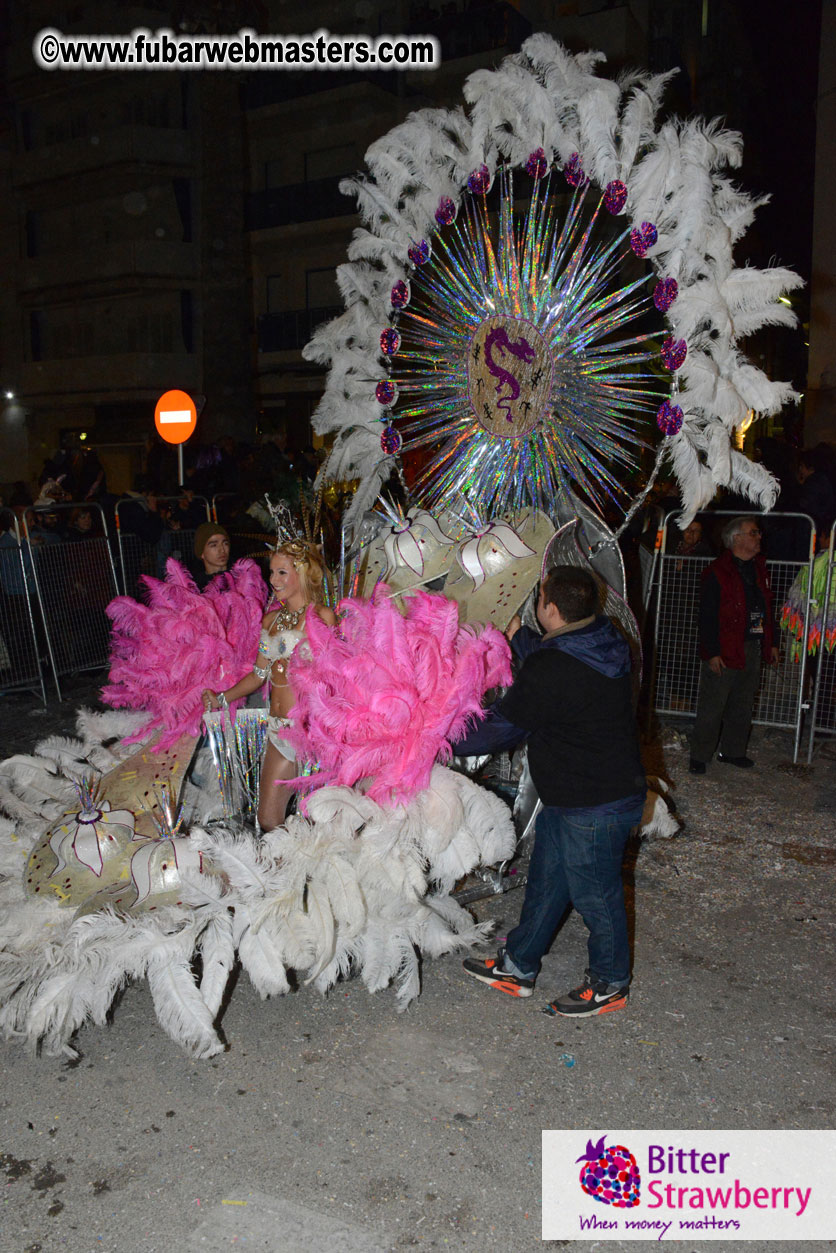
(349, 888)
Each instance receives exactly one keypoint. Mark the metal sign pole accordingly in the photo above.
(180, 464)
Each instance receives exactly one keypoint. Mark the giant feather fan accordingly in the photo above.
(164, 653)
(378, 702)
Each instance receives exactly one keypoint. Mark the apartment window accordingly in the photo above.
(275, 293)
(330, 162)
(321, 291)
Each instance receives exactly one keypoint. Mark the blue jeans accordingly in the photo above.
(576, 860)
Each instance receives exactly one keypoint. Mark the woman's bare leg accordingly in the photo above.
(272, 797)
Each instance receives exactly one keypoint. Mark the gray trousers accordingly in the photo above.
(724, 707)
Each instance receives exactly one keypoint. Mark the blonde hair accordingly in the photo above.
(308, 564)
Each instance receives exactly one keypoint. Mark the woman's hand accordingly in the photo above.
(210, 700)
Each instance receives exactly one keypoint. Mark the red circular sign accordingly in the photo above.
(175, 416)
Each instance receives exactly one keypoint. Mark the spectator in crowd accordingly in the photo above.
(211, 548)
(88, 588)
(82, 525)
(90, 477)
(20, 498)
(185, 513)
(736, 632)
(17, 656)
(228, 472)
(51, 492)
(139, 513)
(692, 543)
(44, 525)
(572, 699)
(815, 496)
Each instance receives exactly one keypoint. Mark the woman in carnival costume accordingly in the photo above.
(297, 577)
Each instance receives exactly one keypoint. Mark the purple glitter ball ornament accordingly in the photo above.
(385, 391)
(669, 418)
(615, 196)
(390, 441)
(390, 341)
(536, 165)
(399, 296)
(573, 171)
(446, 211)
(419, 254)
(665, 293)
(674, 352)
(479, 181)
(642, 238)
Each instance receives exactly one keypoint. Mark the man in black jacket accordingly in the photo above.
(572, 700)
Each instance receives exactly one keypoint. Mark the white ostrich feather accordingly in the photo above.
(598, 117)
(236, 853)
(637, 129)
(259, 956)
(217, 950)
(752, 480)
(179, 1007)
(698, 487)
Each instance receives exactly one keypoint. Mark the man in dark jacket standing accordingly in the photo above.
(736, 629)
(572, 699)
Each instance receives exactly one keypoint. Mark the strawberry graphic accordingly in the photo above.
(610, 1174)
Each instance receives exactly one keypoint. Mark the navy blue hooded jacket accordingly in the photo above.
(572, 699)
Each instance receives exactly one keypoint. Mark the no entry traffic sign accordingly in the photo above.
(175, 416)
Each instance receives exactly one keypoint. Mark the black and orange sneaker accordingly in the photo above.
(490, 971)
(590, 998)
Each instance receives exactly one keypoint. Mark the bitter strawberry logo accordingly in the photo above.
(610, 1174)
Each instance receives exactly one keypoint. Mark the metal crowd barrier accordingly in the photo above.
(221, 496)
(20, 654)
(74, 581)
(676, 664)
(823, 665)
(137, 557)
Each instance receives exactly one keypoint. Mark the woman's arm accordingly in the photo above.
(327, 615)
(244, 687)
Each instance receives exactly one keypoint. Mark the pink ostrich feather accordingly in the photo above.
(165, 653)
(378, 701)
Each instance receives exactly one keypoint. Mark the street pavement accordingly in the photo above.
(336, 1123)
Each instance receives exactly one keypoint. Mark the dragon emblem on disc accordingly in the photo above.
(509, 376)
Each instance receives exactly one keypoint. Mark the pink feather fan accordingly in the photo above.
(378, 700)
(165, 653)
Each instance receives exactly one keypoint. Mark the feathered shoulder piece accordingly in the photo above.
(378, 701)
(164, 653)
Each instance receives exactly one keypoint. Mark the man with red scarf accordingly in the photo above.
(736, 629)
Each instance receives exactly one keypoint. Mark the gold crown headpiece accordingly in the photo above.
(298, 550)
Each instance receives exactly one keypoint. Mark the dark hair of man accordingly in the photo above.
(574, 591)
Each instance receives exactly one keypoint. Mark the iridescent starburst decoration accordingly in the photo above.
(526, 355)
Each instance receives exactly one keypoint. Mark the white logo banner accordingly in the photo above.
(688, 1185)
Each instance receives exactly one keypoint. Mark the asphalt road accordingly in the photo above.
(338, 1124)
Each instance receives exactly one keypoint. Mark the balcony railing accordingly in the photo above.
(281, 332)
(298, 202)
(480, 28)
(265, 88)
